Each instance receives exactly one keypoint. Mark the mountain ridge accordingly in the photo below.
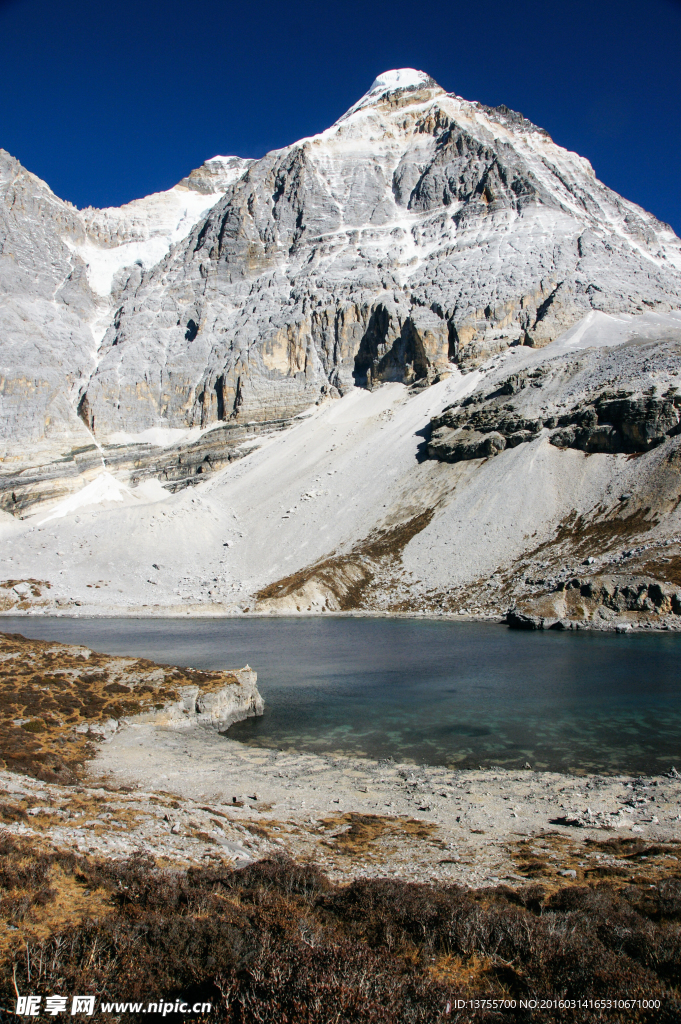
(447, 191)
(381, 369)
(424, 194)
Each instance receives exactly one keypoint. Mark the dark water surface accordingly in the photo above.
(463, 694)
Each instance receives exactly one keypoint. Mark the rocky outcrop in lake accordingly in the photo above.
(58, 698)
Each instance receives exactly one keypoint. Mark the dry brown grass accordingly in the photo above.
(359, 832)
(541, 859)
(48, 689)
(42, 893)
(602, 529)
(473, 975)
(348, 578)
(9, 600)
(667, 571)
(278, 941)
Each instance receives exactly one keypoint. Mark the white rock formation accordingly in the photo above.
(61, 271)
(217, 709)
(418, 230)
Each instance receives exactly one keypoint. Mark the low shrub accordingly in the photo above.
(277, 941)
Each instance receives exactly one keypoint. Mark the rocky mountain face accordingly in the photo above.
(619, 421)
(423, 361)
(62, 271)
(419, 231)
(46, 305)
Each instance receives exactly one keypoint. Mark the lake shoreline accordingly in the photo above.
(628, 626)
(425, 690)
(187, 797)
(168, 785)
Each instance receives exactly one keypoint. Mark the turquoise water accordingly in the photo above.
(462, 694)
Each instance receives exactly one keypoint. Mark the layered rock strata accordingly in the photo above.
(419, 232)
(516, 410)
(176, 466)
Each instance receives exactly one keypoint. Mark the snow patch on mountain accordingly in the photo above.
(397, 80)
(140, 232)
(103, 490)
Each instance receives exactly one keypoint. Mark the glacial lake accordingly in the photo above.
(429, 691)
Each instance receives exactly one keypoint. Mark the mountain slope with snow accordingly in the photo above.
(344, 511)
(402, 363)
(420, 230)
(61, 274)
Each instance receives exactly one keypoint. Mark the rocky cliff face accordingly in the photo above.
(61, 274)
(419, 231)
(603, 419)
(46, 304)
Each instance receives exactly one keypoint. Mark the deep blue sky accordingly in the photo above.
(110, 101)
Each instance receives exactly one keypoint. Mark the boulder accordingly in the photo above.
(449, 445)
(623, 425)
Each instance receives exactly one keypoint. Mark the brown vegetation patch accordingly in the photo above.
(347, 578)
(669, 571)
(471, 974)
(278, 942)
(343, 577)
(545, 857)
(42, 893)
(9, 599)
(393, 540)
(358, 832)
(606, 528)
(35, 585)
(49, 689)
(598, 530)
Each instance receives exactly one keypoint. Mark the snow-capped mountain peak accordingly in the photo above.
(421, 230)
(399, 80)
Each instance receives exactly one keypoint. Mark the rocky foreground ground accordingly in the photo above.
(112, 756)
